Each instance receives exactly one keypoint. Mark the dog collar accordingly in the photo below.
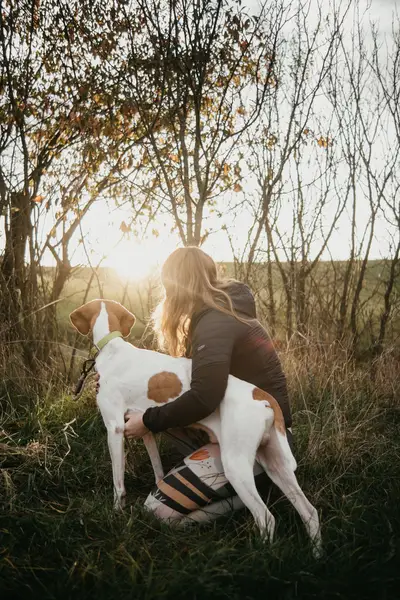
(104, 341)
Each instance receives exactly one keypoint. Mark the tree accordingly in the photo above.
(38, 121)
(291, 164)
(209, 67)
(51, 107)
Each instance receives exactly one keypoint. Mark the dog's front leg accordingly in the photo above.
(152, 450)
(115, 436)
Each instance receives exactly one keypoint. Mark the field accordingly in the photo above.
(141, 297)
(60, 538)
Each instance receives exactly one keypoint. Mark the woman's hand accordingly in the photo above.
(134, 426)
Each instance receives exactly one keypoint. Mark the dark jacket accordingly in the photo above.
(222, 345)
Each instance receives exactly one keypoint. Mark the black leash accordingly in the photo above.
(87, 366)
(91, 361)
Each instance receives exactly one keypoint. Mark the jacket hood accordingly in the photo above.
(242, 299)
(242, 302)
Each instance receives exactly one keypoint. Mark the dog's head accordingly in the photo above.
(119, 317)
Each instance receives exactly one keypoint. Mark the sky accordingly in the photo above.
(135, 258)
(130, 256)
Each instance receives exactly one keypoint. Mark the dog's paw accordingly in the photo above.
(119, 503)
(317, 550)
(159, 477)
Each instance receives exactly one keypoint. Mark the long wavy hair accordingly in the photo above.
(191, 283)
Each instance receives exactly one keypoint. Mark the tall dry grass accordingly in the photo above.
(61, 539)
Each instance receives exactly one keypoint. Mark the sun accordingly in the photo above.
(132, 258)
(135, 261)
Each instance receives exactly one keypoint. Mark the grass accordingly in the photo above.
(60, 538)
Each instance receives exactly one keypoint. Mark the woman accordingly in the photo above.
(212, 321)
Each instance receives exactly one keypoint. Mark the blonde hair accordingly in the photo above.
(191, 282)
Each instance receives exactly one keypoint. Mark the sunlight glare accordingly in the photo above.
(135, 261)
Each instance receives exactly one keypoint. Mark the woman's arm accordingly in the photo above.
(212, 345)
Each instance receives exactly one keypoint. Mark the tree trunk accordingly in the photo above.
(16, 298)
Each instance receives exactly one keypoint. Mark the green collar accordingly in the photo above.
(104, 341)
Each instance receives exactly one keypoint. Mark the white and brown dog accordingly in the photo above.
(248, 426)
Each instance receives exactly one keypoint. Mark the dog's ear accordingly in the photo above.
(80, 321)
(125, 318)
(82, 318)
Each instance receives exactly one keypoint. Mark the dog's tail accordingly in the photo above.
(275, 425)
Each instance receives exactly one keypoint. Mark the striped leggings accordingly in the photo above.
(196, 490)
